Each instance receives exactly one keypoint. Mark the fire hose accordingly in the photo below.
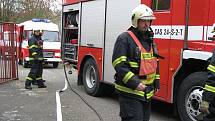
(58, 92)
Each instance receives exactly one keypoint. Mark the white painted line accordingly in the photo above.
(65, 86)
(59, 113)
(58, 102)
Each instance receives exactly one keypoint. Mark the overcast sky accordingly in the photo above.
(59, 4)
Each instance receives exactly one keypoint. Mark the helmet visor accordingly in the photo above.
(40, 31)
(147, 17)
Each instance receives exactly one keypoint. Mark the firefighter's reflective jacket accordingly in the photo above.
(35, 45)
(209, 89)
(126, 61)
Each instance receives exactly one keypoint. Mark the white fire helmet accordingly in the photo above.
(141, 12)
(36, 28)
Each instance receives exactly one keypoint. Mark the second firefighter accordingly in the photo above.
(35, 44)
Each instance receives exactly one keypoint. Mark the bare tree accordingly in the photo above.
(22, 10)
(7, 9)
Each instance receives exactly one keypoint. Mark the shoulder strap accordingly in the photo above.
(136, 40)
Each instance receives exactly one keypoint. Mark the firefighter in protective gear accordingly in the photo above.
(213, 31)
(207, 106)
(35, 44)
(135, 64)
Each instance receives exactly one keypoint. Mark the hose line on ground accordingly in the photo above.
(67, 83)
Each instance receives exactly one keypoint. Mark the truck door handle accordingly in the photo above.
(211, 38)
(90, 45)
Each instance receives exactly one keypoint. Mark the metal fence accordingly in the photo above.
(8, 58)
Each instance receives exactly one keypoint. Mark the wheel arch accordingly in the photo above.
(185, 70)
(191, 62)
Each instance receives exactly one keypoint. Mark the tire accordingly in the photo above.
(19, 61)
(25, 63)
(55, 65)
(190, 96)
(90, 78)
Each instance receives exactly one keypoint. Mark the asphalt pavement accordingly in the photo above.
(19, 104)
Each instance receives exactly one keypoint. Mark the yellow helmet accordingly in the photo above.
(141, 12)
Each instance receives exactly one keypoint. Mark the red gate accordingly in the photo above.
(8, 59)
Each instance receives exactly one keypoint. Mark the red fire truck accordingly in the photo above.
(51, 44)
(182, 31)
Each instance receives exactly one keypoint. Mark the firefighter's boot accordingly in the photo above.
(28, 85)
(34, 82)
(41, 84)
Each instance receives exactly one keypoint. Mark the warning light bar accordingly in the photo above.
(41, 20)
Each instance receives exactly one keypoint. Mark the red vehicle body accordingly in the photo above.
(51, 44)
(182, 31)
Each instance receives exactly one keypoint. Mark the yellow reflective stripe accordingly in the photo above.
(128, 90)
(33, 46)
(211, 68)
(127, 77)
(149, 79)
(134, 64)
(34, 53)
(149, 58)
(29, 78)
(157, 76)
(150, 94)
(146, 55)
(151, 75)
(39, 78)
(119, 60)
(34, 59)
(209, 88)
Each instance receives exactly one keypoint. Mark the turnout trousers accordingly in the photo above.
(36, 70)
(35, 74)
(132, 109)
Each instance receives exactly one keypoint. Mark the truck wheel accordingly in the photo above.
(91, 78)
(55, 65)
(24, 63)
(19, 61)
(190, 96)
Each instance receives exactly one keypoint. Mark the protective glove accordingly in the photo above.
(147, 90)
(40, 43)
(204, 107)
(36, 59)
(156, 85)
